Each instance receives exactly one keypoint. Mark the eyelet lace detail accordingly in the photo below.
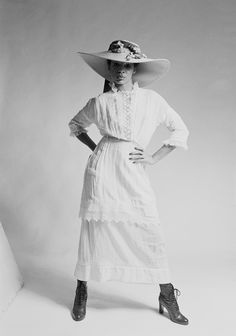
(76, 129)
(128, 101)
(123, 217)
(127, 114)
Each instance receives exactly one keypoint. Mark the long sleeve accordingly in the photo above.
(83, 119)
(174, 123)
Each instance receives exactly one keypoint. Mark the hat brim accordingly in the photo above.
(147, 71)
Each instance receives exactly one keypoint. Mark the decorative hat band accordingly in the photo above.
(123, 46)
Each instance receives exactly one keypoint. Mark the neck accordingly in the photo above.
(125, 87)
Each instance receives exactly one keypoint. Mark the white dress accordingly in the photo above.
(121, 237)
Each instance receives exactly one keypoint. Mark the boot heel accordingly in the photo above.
(161, 310)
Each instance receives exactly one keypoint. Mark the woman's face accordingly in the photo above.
(121, 73)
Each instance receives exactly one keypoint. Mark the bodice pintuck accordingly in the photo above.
(131, 115)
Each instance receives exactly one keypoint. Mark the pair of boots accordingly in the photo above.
(167, 300)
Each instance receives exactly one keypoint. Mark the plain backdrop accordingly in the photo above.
(44, 83)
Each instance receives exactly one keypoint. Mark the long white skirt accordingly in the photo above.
(128, 252)
(121, 237)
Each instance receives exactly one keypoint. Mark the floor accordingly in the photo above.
(43, 305)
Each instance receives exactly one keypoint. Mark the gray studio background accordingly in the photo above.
(44, 83)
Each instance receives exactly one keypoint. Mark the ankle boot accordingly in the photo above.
(79, 309)
(167, 299)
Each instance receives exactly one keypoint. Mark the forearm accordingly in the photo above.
(163, 151)
(83, 137)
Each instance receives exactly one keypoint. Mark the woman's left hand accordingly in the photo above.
(141, 156)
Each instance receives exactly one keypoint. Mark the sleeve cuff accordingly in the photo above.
(176, 143)
(76, 129)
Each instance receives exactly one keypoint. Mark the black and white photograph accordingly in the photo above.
(117, 167)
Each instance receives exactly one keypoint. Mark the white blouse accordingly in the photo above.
(131, 115)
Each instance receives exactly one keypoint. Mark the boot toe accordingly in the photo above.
(185, 320)
(181, 319)
(77, 316)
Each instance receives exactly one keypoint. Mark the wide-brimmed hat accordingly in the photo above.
(147, 71)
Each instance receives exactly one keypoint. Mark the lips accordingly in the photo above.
(120, 77)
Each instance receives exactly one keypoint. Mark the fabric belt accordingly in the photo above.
(107, 136)
(113, 138)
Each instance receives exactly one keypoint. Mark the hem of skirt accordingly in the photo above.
(129, 274)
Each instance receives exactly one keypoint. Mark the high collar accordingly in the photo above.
(115, 89)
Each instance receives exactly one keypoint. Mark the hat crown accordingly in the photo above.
(131, 49)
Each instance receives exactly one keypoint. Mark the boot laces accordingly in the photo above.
(81, 293)
(177, 293)
(174, 297)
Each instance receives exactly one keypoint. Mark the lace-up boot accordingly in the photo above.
(79, 309)
(168, 300)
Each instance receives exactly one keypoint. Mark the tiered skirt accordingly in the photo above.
(121, 237)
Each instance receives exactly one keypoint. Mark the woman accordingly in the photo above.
(121, 236)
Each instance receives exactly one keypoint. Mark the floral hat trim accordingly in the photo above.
(121, 46)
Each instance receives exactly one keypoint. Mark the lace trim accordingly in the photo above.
(119, 217)
(176, 143)
(76, 129)
(127, 120)
(127, 116)
(117, 221)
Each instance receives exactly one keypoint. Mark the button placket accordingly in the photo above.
(127, 113)
(125, 100)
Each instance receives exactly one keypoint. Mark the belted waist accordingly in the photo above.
(108, 136)
(113, 138)
(107, 140)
